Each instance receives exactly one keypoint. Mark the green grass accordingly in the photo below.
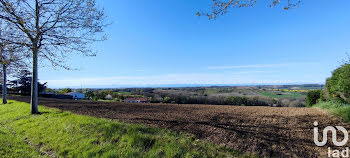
(337, 109)
(106, 100)
(124, 93)
(274, 94)
(14, 146)
(65, 134)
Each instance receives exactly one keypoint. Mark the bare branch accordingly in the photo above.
(221, 7)
(57, 28)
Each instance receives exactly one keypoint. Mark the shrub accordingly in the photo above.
(285, 102)
(312, 97)
(338, 86)
(323, 96)
(248, 101)
(167, 100)
(296, 103)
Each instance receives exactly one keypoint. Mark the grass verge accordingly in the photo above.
(64, 134)
(337, 109)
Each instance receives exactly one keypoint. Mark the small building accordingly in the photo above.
(76, 95)
(136, 100)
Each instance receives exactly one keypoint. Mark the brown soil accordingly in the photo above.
(266, 131)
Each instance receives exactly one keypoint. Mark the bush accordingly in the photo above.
(312, 97)
(248, 101)
(323, 96)
(296, 103)
(285, 102)
(338, 86)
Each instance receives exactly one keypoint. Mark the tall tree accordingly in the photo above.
(221, 7)
(54, 29)
(22, 83)
(11, 58)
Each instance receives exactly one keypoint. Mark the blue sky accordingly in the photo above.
(158, 42)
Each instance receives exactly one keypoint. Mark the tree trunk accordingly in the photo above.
(35, 49)
(34, 88)
(4, 85)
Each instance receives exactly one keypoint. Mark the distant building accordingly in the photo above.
(76, 95)
(135, 100)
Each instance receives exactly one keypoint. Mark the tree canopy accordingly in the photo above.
(338, 86)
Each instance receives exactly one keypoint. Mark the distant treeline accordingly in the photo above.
(228, 100)
(190, 96)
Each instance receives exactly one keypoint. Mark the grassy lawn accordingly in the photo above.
(338, 109)
(274, 94)
(64, 134)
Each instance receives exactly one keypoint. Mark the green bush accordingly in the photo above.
(338, 86)
(312, 97)
(323, 96)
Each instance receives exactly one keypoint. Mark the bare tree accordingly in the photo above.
(11, 58)
(221, 7)
(54, 29)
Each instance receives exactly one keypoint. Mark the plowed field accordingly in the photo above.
(266, 131)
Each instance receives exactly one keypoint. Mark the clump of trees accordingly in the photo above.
(312, 97)
(63, 91)
(22, 84)
(338, 86)
(109, 94)
(215, 100)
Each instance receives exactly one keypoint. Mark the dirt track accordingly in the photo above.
(266, 131)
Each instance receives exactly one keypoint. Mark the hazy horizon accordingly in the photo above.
(180, 85)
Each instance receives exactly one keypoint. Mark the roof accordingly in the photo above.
(141, 99)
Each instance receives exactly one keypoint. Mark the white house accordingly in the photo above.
(76, 95)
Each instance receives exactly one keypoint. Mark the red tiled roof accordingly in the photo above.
(141, 99)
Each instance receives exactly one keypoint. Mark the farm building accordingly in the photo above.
(135, 100)
(76, 95)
